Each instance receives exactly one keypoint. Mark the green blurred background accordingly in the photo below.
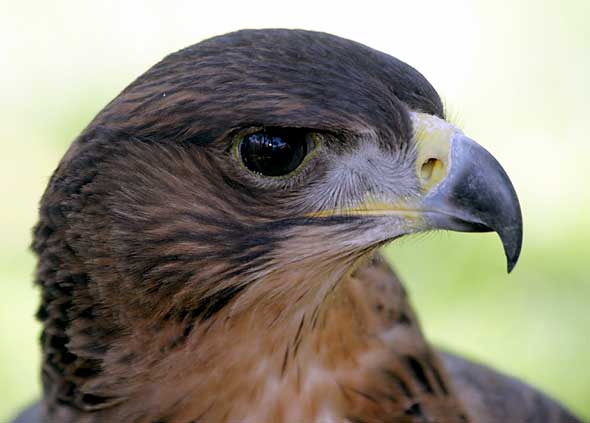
(514, 76)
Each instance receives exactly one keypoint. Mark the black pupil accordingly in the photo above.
(274, 152)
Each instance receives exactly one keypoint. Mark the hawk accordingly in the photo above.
(208, 244)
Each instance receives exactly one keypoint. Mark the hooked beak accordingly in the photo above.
(463, 188)
(471, 191)
(476, 196)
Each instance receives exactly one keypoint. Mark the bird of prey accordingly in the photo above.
(208, 244)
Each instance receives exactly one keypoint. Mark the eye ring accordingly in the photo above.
(275, 152)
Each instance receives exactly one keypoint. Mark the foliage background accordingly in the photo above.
(514, 76)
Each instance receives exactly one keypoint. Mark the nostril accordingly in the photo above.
(431, 169)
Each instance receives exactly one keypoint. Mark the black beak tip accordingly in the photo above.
(512, 242)
(511, 262)
(490, 193)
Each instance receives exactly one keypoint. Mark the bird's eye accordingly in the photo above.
(275, 151)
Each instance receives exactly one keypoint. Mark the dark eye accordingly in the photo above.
(275, 152)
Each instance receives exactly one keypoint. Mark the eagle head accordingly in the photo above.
(237, 183)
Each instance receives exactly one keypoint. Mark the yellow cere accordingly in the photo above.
(433, 139)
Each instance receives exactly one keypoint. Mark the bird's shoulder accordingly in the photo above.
(493, 397)
(440, 383)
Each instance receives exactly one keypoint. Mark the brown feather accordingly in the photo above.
(177, 288)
